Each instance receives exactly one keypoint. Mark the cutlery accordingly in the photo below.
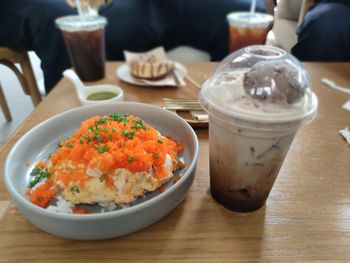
(194, 83)
(333, 85)
(199, 115)
(182, 104)
(178, 79)
(191, 105)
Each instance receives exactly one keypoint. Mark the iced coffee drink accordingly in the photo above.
(247, 29)
(85, 42)
(257, 99)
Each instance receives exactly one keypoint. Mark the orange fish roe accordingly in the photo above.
(40, 164)
(80, 211)
(176, 179)
(108, 180)
(110, 142)
(42, 194)
(163, 189)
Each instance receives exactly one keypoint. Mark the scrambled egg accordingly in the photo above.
(127, 186)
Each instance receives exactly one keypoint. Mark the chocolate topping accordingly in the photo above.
(274, 81)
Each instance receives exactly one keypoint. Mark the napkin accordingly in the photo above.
(159, 53)
(346, 105)
(346, 134)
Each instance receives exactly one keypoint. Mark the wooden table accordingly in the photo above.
(307, 216)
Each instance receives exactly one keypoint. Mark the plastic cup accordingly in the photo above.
(85, 42)
(247, 29)
(245, 161)
(252, 126)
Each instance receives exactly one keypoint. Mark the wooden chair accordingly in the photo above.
(9, 58)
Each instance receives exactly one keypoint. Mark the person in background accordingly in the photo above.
(134, 25)
(324, 34)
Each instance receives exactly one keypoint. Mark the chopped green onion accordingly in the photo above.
(126, 121)
(75, 189)
(102, 120)
(39, 174)
(131, 134)
(69, 145)
(160, 141)
(98, 137)
(101, 149)
(115, 117)
(131, 159)
(36, 171)
(139, 124)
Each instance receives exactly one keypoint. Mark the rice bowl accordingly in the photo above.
(126, 219)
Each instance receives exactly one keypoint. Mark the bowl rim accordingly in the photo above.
(110, 214)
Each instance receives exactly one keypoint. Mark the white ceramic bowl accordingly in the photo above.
(36, 144)
(100, 88)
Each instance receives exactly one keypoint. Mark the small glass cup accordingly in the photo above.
(85, 43)
(247, 29)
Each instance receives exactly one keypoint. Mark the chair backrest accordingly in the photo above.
(25, 75)
(10, 58)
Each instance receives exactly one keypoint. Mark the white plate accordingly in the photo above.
(36, 144)
(123, 73)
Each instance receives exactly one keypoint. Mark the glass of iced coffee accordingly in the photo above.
(257, 99)
(85, 42)
(247, 28)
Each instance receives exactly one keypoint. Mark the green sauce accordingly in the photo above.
(102, 95)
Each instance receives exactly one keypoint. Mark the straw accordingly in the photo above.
(252, 8)
(80, 11)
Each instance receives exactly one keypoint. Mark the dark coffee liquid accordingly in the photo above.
(87, 53)
(243, 204)
(244, 164)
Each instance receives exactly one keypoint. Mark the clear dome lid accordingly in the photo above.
(263, 84)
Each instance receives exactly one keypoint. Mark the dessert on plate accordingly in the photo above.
(149, 67)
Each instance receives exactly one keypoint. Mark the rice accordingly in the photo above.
(106, 207)
(62, 206)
